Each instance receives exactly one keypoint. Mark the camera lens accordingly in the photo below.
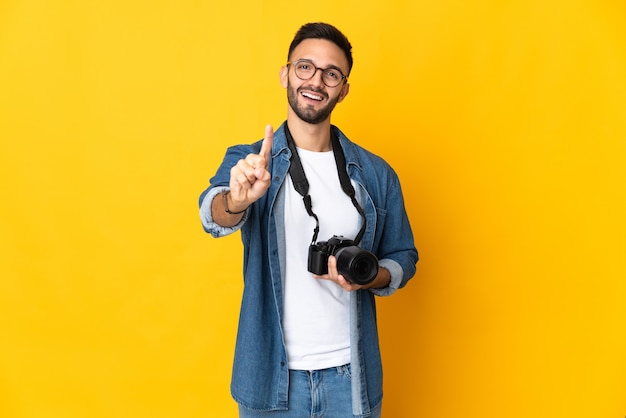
(357, 265)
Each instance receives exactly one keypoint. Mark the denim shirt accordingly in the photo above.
(260, 377)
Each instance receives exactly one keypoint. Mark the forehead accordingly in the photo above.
(323, 53)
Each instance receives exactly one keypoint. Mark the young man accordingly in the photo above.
(307, 343)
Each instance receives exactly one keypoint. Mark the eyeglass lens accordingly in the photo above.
(305, 70)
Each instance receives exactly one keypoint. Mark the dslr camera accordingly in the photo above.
(355, 264)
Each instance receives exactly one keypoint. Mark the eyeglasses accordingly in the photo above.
(305, 70)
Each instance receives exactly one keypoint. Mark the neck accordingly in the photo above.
(310, 137)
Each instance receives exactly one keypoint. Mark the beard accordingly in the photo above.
(308, 114)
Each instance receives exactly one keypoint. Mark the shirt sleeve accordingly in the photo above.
(396, 273)
(210, 226)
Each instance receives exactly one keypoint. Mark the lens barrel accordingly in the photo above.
(356, 265)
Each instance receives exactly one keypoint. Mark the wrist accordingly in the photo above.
(382, 280)
(229, 206)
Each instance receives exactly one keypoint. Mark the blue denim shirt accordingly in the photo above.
(260, 371)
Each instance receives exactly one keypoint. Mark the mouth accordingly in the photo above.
(312, 96)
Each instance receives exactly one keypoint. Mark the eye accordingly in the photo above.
(304, 66)
(332, 74)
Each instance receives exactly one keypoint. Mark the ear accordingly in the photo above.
(344, 92)
(284, 76)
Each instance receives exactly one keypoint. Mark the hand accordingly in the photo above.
(250, 179)
(334, 276)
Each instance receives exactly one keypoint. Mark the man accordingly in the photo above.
(307, 343)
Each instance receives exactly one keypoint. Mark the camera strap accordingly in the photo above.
(301, 184)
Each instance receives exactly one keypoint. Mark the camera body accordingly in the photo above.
(355, 264)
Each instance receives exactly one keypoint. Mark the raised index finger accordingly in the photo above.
(266, 147)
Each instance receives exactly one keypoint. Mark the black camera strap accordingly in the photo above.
(301, 184)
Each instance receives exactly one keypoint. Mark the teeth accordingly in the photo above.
(312, 96)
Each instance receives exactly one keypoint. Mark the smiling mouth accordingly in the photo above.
(312, 96)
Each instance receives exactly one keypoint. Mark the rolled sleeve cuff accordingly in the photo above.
(206, 217)
(396, 272)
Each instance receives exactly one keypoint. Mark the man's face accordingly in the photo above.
(311, 100)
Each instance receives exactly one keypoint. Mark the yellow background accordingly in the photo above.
(506, 121)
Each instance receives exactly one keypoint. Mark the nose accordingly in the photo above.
(317, 79)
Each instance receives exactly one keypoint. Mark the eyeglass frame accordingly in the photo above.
(344, 78)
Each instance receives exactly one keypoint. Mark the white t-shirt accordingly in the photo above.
(316, 317)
